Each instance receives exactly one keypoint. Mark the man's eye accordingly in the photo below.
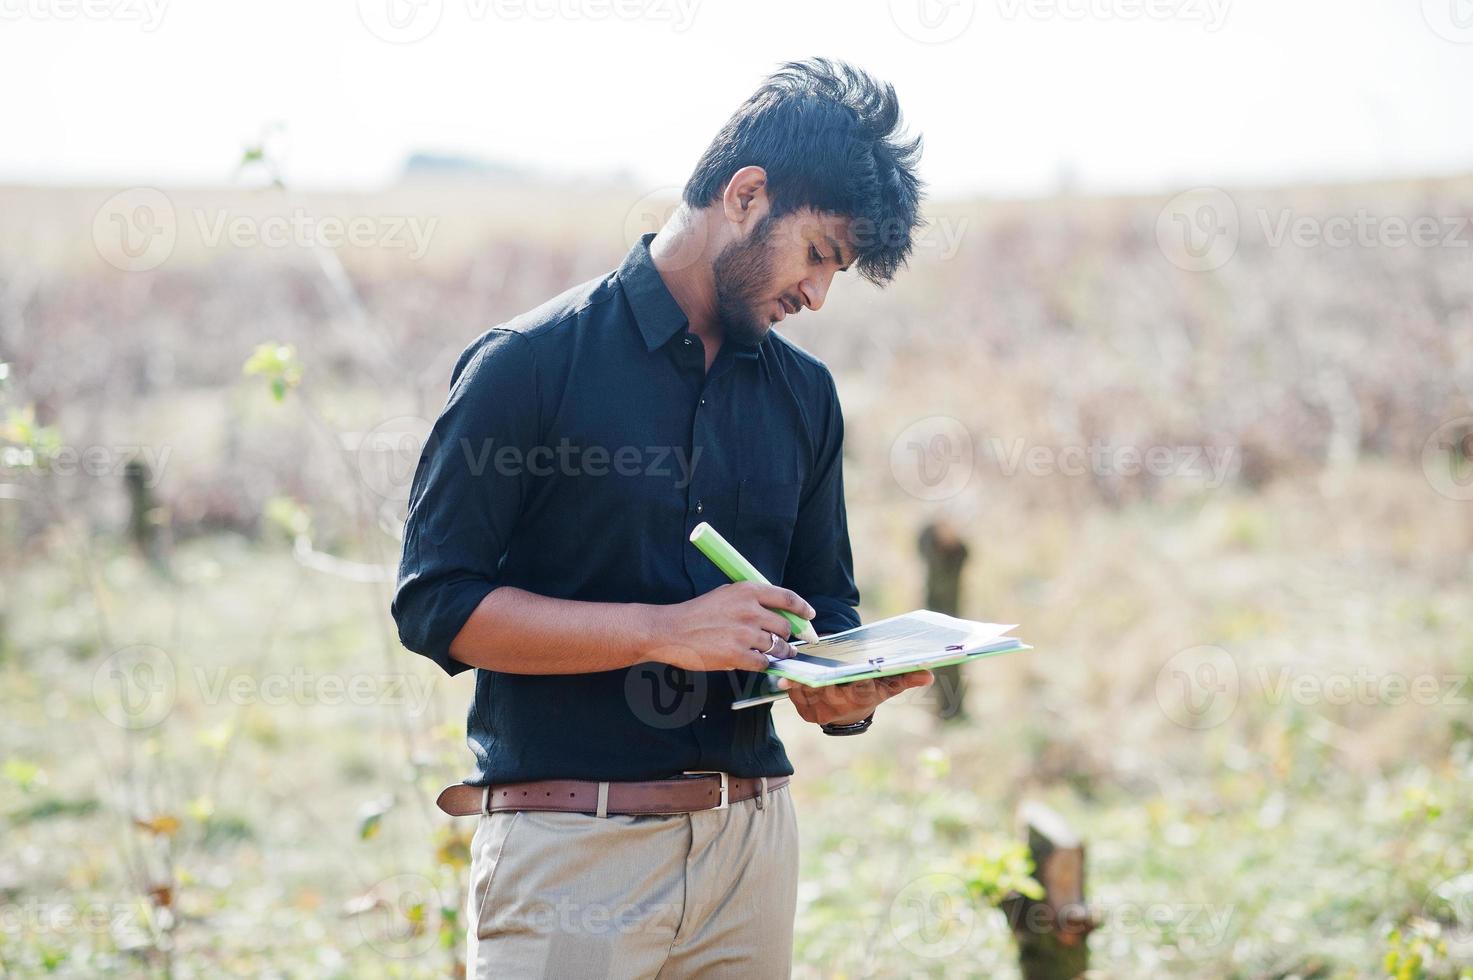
(813, 254)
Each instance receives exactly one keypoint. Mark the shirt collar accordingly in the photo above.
(655, 311)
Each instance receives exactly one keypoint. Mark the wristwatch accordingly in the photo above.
(854, 728)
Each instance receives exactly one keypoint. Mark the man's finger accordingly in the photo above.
(753, 660)
(783, 650)
(777, 597)
(773, 645)
(802, 697)
(904, 682)
(774, 622)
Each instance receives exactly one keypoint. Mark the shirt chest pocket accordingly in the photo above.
(766, 515)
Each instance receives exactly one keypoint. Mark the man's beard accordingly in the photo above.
(742, 271)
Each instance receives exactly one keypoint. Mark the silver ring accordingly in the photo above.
(773, 646)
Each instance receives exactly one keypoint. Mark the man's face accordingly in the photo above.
(782, 266)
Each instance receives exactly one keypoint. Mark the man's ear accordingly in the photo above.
(744, 202)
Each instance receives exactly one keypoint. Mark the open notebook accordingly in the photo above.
(914, 641)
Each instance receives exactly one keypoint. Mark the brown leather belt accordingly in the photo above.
(680, 794)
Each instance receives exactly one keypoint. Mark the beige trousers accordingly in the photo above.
(578, 897)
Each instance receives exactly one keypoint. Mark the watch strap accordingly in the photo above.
(854, 728)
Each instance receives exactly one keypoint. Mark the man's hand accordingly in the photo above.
(728, 628)
(845, 704)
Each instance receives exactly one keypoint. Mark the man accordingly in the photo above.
(631, 822)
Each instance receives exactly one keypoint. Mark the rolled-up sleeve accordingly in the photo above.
(468, 491)
(820, 566)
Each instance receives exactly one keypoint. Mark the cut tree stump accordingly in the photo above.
(945, 554)
(145, 516)
(1052, 934)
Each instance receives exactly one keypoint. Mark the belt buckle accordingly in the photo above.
(725, 784)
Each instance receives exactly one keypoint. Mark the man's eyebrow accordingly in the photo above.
(838, 253)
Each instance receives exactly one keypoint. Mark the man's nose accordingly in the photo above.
(816, 289)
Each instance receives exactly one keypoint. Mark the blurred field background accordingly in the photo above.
(218, 760)
(1184, 354)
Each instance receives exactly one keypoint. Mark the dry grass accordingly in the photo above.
(1308, 823)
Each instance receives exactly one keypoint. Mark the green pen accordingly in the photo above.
(738, 569)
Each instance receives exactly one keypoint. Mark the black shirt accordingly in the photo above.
(579, 445)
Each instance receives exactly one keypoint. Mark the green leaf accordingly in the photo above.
(371, 817)
(999, 868)
(289, 515)
(368, 827)
(26, 775)
(277, 364)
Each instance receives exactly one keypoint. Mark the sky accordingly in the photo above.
(1013, 97)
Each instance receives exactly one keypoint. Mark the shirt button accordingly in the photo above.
(703, 401)
(700, 507)
(686, 341)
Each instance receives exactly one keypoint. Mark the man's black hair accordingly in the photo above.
(828, 135)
